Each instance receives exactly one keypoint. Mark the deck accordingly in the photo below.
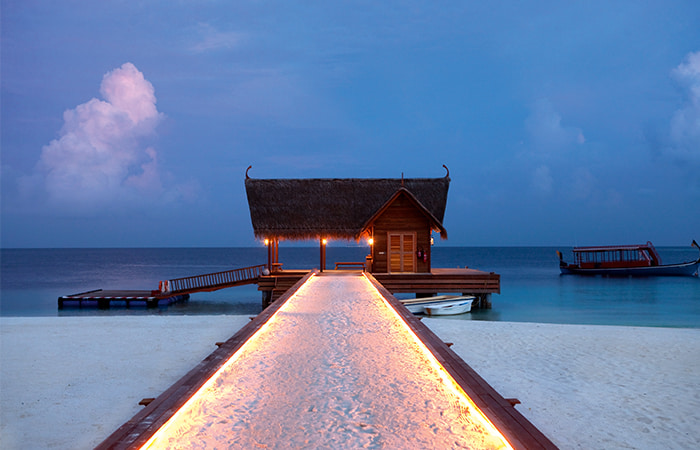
(440, 280)
(311, 368)
(169, 291)
(104, 299)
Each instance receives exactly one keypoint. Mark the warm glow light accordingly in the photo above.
(248, 346)
(380, 383)
(371, 241)
(446, 377)
(267, 242)
(324, 241)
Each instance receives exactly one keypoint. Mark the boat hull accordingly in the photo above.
(440, 306)
(450, 309)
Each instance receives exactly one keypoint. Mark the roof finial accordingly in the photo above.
(402, 179)
(246, 172)
(448, 171)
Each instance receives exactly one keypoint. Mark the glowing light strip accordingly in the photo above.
(249, 342)
(447, 380)
(444, 374)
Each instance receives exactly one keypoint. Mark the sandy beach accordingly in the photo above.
(69, 382)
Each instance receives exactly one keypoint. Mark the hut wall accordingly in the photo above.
(401, 217)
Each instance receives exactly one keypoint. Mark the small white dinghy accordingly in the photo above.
(444, 305)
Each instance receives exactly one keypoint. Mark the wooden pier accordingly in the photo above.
(170, 291)
(439, 280)
(104, 299)
(515, 428)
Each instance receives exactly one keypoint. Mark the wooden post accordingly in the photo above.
(268, 244)
(323, 255)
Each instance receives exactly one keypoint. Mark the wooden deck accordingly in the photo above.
(463, 281)
(178, 289)
(519, 432)
(273, 286)
(441, 280)
(104, 299)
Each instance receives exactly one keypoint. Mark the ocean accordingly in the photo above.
(532, 290)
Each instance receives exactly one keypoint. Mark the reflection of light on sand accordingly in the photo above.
(335, 367)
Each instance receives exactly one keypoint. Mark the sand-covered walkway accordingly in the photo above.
(333, 368)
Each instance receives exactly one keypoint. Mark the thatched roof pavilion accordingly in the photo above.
(336, 208)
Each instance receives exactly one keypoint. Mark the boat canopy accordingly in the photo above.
(636, 255)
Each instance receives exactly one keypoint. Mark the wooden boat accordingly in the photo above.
(441, 305)
(625, 260)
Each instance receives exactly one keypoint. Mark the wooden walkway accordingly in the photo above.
(363, 424)
(215, 281)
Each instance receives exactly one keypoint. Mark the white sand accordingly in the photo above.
(69, 382)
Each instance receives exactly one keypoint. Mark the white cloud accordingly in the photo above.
(684, 143)
(547, 134)
(101, 156)
(209, 38)
(549, 145)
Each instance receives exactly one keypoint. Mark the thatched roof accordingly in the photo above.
(337, 208)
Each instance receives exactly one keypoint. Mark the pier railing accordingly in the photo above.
(217, 280)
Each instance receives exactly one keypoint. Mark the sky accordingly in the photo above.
(132, 123)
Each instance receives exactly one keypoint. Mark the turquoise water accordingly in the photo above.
(532, 290)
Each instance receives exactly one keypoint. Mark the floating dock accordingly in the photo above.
(335, 362)
(104, 299)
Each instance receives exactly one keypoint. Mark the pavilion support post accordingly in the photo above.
(268, 244)
(323, 255)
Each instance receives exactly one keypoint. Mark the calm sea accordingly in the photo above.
(532, 290)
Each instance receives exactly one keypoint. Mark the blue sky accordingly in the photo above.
(131, 123)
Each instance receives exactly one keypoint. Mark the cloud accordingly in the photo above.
(549, 146)
(547, 134)
(209, 39)
(101, 155)
(684, 136)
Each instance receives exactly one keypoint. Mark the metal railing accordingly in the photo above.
(209, 280)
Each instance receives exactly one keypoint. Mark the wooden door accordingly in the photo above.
(402, 251)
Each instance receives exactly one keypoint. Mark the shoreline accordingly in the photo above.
(69, 382)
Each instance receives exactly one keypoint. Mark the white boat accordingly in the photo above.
(443, 305)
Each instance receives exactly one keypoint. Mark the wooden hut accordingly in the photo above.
(396, 215)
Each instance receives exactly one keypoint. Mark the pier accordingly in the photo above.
(104, 299)
(335, 362)
(170, 291)
(438, 281)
